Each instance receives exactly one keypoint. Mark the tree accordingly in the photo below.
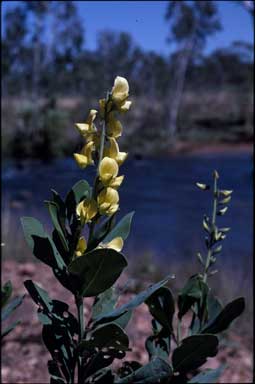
(191, 23)
(13, 45)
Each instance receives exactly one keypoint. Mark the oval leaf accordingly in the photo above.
(226, 316)
(193, 352)
(97, 270)
(122, 229)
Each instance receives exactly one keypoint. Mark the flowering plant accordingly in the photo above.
(84, 252)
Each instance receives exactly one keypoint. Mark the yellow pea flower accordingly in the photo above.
(108, 170)
(114, 153)
(108, 201)
(85, 157)
(116, 244)
(81, 247)
(125, 106)
(86, 210)
(88, 128)
(114, 127)
(120, 89)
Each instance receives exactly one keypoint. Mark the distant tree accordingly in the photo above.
(13, 45)
(191, 23)
(117, 53)
(66, 42)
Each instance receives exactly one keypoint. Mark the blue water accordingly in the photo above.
(169, 208)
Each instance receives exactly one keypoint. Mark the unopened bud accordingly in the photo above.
(205, 226)
(212, 272)
(200, 258)
(226, 229)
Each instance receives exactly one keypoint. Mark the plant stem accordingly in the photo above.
(215, 201)
(179, 336)
(101, 150)
(79, 305)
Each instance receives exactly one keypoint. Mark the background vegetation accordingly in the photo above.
(50, 79)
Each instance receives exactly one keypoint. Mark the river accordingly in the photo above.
(168, 206)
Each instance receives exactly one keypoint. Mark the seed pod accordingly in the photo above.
(212, 260)
(212, 272)
(203, 187)
(205, 226)
(218, 235)
(226, 200)
(225, 229)
(222, 211)
(226, 192)
(215, 174)
(217, 250)
(200, 258)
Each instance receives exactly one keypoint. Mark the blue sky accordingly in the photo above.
(144, 20)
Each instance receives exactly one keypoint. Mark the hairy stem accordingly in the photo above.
(179, 336)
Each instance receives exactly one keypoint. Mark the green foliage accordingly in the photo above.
(84, 353)
(8, 307)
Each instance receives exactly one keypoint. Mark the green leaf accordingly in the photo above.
(13, 304)
(97, 270)
(193, 352)
(41, 244)
(225, 317)
(208, 375)
(194, 291)
(79, 191)
(162, 308)
(54, 213)
(39, 295)
(158, 346)
(104, 303)
(151, 373)
(110, 338)
(137, 300)
(214, 306)
(122, 229)
(6, 292)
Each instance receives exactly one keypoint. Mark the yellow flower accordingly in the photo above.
(125, 106)
(116, 244)
(85, 157)
(81, 247)
(86, 210)
(120, 89)
(88, 128)
(108, 170)
(108, 201)
(114, 153)
(114, 127)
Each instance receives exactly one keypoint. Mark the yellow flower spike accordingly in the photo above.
(81, 247)
(114, 152)
(116, 244)
(114, 127)
(86, 210)
(120, 89)
(108, 170)
(108, 201)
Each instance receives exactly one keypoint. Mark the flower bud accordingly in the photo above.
(81, 247)
(222, 211)
(108, 201)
